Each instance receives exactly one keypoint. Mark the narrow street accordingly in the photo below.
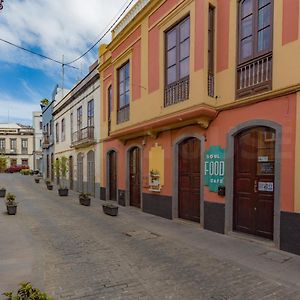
(76, 252)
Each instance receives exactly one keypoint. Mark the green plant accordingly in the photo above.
(2, 188)
(61, 170)
(27, 292)
(48, 181)
(10, 199)
(3, 163)
(45, 101)
(154, 172)
(25, 171)
(84, 195)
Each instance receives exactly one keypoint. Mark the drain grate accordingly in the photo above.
(142, 234)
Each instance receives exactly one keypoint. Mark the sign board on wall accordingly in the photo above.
(214, 168)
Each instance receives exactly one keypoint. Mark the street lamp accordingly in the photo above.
(1, 5)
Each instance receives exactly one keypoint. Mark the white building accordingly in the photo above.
(38, 139)
(77, 133)
(16, 142)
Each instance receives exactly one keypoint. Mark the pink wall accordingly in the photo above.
(199, 35)
(290, 21)
(223, 15)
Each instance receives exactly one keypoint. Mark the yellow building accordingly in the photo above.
(199, 114)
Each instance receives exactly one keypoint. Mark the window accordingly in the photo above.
(2, 145)
(71, 125)
(211, 42)
(79, 118)
(63, 130)
(24, 162)
(109, 100)
(255, 46)
(177, 62)
(24, 146)
(90, 116)
(41, 125)
(13, 162)
(123, 93)
(13, 145)
(57, 132)
(51, 127)
(40, 142)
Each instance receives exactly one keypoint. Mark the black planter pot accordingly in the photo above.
(11, 209)
(63, 192)
(110, 209)
(50, 187)
(2, 193)
(85, 201)
(37, 180)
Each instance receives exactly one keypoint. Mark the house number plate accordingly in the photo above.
(265, 186)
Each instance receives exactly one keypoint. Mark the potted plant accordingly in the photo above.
(110, 209)
(27, 291)
(2, 192)
(11, 205)
(49, 184)
(85, 199)
(37, 179)
(61, 169)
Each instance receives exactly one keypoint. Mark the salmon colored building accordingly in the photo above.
(200, 115)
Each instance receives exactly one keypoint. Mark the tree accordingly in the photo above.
(3, 163)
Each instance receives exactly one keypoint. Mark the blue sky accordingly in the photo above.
(52, 28)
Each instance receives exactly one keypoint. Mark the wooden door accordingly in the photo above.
(71, 172)
(112, 160)
(189, 179)
(52, 167)
(91, 173)
(254, 168)
(80, 173)
(135, 177)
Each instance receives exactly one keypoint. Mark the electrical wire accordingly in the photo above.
(68, 64)
(103, 35)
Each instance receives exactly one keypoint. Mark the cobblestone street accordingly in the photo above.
(77, 252)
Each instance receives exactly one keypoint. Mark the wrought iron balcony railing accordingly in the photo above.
(177, 92)
(83, 137)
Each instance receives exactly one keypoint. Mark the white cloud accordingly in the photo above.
(64, 27)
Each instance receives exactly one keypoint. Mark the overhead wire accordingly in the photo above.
(69, 64)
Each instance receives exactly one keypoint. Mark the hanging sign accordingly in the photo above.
(214, 168)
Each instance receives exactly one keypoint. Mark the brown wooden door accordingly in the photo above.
(135, 177)
(189, 181)
(112, 175)
(254, 169)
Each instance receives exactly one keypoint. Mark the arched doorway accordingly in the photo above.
(80, 173)
(135, 177)
(71, 172)
(254, 181)
(189, 179)
(91, 173)
(112, 175)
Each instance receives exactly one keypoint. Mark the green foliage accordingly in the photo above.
(61, 169)
(45, 101)
(27, 292)
(3, 163)
(10, 199)
(25, 171)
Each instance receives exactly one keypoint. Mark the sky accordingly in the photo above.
(60, 29)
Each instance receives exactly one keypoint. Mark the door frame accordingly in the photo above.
(92, 151)
(107, 173)
(229, 173)
(127, 174)
(201, 138)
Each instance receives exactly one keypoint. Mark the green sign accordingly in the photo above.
(214, 168)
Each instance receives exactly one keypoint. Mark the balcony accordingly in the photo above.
(47, 141)
(123, 114)
(83, 137)
(24, 151)
(177, 92)
(255, 76)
